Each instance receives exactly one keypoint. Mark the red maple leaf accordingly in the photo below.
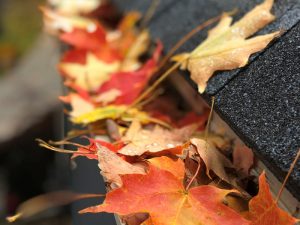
(130, 84)
(87, 40)
(161, 194)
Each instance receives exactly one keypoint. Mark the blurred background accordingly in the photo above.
(29, 109)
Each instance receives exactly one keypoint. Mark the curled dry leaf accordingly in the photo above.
(91, 151)
(214, 160)
(154, 140)
(263, 210)
(226, 46)
(112, 166)
(161, 194)
(193, 165)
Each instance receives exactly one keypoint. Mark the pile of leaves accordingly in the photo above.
(162, 164)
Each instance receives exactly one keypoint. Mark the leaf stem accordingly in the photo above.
(150, 13)
(205, 137)
(209, 118)
(156, 83)
(68, 143)
(60, 150)
(287, 176)
(186, 38)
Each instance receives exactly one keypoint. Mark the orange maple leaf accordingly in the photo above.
(161, 193)
(264, 210)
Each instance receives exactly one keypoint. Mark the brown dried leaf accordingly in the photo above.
(213, 159)
(112, 166)
(142, 140)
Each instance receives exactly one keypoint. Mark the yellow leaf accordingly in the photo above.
(131, 61)
(111, 112)
(91, 75)
(226, 46)
(115, 112)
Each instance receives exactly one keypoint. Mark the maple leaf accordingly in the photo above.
(155, 140)
(112, 166)
(91, 75)
(226, 46)
(91, 39)
(213, 159)
(264, 210)
(161, 194)
(130, 84)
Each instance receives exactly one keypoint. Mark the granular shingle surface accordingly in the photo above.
(261, 101)
(262, 105)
